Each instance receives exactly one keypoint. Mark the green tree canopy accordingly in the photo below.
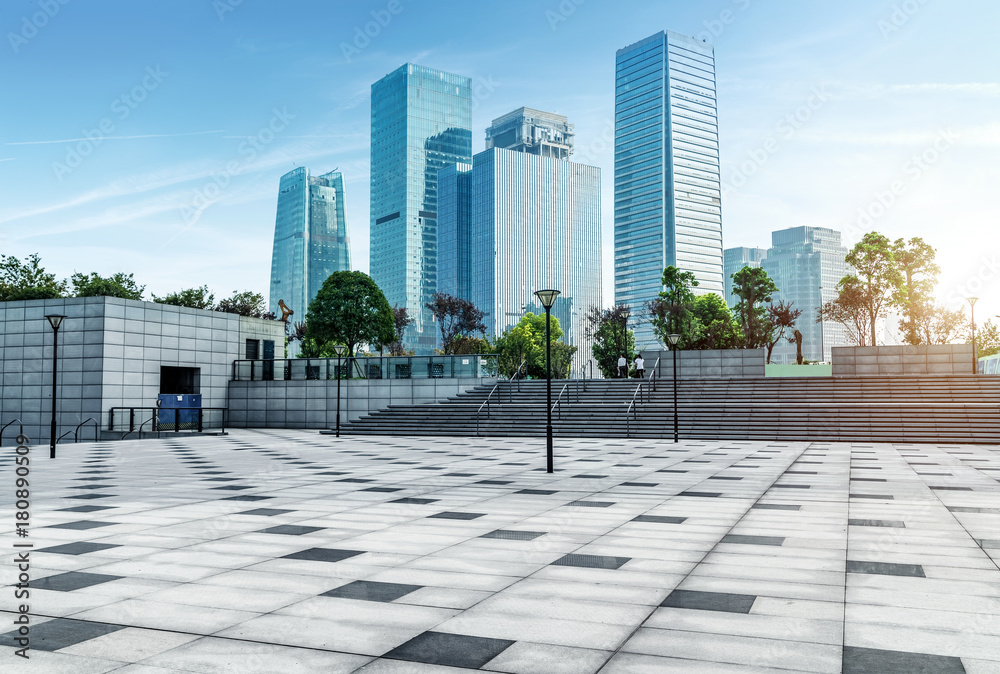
(914, 294)
(877, 271)
(27, 280)
(455, 317)
(987, 339)
(672, 311)
(612, 338)
(246, 303)
(350, 309)
(195, 298)
(754, 288)
(94, 285)
(526, 342)
(716, 328)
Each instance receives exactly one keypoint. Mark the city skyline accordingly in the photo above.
(850, 118)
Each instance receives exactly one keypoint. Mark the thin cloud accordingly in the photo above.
(146, 135)
(8, 159)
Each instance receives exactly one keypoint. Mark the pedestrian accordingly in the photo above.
(623, 367)
(640, 367)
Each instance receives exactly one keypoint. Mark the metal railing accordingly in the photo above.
(555, 405)
(368, 367)
(166, 419)
(652, 373)
(20, 428)
(76, 431)
(632, 411)
(486, 404)
(517, 376)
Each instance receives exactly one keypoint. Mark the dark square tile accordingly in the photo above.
(591, 477)
(969, 509)
(453, 650)
(354, 479)
(591, 504)
(323, 554)
(265, 512)
(710, 601)
(78, 548)
(290, 530)
(591, 561)
(881, 497)
(222, 479)
(506, 534)
(456, 516)
(896, 524)
(247, 498)
(742, 539)
(416, 501)
(791, 486)
(659, 519)
(91, 496)
(92, 486)
(886, 569)
(332, 472)
(775, 506)
(536, 492)
(84, 509)
(944, 488)
(701, 494)
(62, 632)
(497, 482)
(639, 484)
(460, 474)
(82, 525)
(868, 479)
(232, 487)
(990, 543)
(72, 580)
(670, 470)
(383, 490)
(724, 477)
(369, 590)
(859, 660)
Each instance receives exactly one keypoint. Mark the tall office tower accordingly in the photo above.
(421, 122)
(454, 225)
(533, 131)
(734, 260)
(806, 263)
(310, 238)
(533, 223)
(668, 208)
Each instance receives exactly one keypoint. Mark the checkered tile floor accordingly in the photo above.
(287, 551)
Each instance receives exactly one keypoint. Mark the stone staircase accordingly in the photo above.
(960, 409)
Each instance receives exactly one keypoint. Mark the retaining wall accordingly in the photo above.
(931, 359)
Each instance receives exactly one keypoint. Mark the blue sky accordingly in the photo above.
(856, 115)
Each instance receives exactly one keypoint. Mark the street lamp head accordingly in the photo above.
(673, 339)
(55, 320)
(972, 300)
(547, 297)
(339, 349)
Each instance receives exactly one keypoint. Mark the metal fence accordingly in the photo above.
(376, 367)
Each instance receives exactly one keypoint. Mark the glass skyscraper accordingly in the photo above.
(735, 259)
(310, 239)
(806, 263)
(533, 223)
(668, 208)
(421, 121)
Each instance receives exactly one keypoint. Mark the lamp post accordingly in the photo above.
(975, 360)
(673, 339)
(55, 320)
(822, 347)
(548, 298)
(339, 350)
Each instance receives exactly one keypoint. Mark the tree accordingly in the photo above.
(754, 288)
(780, 316)
(94, 285)
(796, 339)
(349, 309)
(672, 311)
(525, 343)
(463, 345)
(562, 359)
(937, 324)
(612, 338)
(877, 271)
(455, 317)
(850, 309)
(196, 298)
(401, 320)
(987, 339)
(246, 303)
(515, 346)
(913, 295)
(715, 327)
(27, 280)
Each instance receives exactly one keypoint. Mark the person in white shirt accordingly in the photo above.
(623, 367)
(640, 367)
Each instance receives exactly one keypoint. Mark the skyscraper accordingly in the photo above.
(806, 263)
(734, 260)
(668, 208)
(421, 121)
(533, 131)
(310, 238)
(530, 221)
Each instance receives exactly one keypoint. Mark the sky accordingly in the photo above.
(148, 137)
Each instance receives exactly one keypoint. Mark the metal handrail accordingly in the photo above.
(656, 369)
(558, 398)
(633, 409)
(139, 430)
(76, 433)
(486, 403)
(20, 428)
(63, 436)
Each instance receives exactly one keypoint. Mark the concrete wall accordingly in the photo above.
(708, 364)
(934, 359)
(313, 404)
(110, 354)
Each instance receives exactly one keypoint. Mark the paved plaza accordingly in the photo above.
(290, 551)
